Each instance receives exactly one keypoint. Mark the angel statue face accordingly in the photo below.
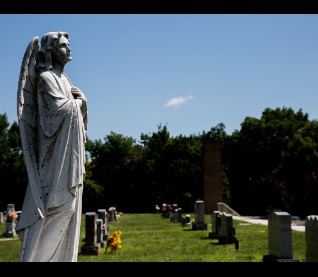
(62, 51)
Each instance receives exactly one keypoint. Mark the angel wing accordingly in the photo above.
(27, 114)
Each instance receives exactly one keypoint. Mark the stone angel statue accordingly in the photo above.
(52, 116)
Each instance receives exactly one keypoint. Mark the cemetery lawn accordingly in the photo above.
(152, 238)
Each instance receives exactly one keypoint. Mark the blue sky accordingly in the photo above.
(189, 72)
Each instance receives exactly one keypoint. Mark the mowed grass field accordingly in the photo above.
(152, 238)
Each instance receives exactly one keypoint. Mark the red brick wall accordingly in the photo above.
(212, 174)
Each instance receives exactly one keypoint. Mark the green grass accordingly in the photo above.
(151, 238)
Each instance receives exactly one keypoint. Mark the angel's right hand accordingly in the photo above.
(78, 94)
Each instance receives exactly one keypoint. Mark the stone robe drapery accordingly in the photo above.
(62, 126)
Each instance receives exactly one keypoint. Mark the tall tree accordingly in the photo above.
(13, 175)
(255, 157)
(112, 165)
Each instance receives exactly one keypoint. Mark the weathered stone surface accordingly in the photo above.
(52, 118)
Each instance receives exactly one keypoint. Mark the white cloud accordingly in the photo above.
(177, 101)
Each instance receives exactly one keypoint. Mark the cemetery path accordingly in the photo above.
(255, 220)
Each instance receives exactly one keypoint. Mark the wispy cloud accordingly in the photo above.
(177, 101)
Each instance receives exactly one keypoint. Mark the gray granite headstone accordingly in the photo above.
(112, 215)
(227, 231)
(10, 224)
(186, 220)
(216, 225)
(91, 247)
(216, 222)
(280, 235)
(183, 221)
(227, 225)
(179, 215)
(199, 211)
(10, 207)
(175, 216)
(99, 232)
(280, 244)
(102, 215)
(311, 234)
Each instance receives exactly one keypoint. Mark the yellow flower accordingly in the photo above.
(114, 241)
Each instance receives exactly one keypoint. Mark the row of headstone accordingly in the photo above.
(280, 238)
(174, 213)
(166, 210)
(96, 230)
(222, 223)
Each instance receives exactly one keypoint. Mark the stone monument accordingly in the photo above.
(52, 118)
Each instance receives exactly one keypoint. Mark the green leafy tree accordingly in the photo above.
(113, 163)
(13, 175)
(93, 193)
(173, 168)
(255, 157)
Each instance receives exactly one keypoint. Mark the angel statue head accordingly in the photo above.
(55, 51)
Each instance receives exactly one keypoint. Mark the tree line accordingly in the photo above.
(270, 164)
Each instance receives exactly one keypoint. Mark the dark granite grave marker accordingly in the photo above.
(216, 225)
(199, 223)
(311, 234)
(99, 232)
(112, 214)
(91, 247)
(102, 215)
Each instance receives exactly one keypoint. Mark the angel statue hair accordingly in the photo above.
(52, 117)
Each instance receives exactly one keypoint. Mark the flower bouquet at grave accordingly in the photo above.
(12, 216)
(113, 241)
(221, 214)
